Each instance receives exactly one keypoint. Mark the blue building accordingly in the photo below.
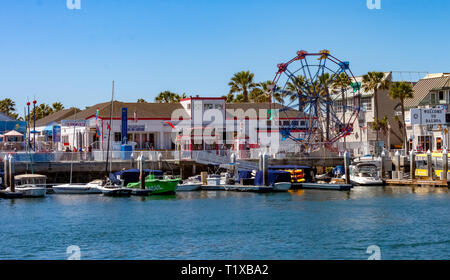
(7, 124)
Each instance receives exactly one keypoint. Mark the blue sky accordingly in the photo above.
(195, 46)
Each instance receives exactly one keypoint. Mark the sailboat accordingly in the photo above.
(90, 188)
(108, 187)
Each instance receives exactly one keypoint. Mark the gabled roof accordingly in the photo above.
(56, 117)
(143, 110)
(424, 86)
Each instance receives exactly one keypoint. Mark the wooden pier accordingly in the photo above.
(417, 182)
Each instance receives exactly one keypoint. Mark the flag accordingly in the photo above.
(108, 126)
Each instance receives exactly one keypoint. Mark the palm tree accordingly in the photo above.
(57, 106)
(402, 91)
(296, 88)
(342, 82)
(229, 98)
(326, 81)
(375, 81)
(242, 82)
(262, 93)
(7, 106)
(167, 97)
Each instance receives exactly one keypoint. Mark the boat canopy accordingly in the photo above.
(244, 174)
(274, 176)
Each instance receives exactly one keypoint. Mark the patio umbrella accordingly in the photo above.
(13, 133)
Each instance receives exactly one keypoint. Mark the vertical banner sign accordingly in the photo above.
(56, 137)
(124, 126)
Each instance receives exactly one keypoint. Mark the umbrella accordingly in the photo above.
(13, 133)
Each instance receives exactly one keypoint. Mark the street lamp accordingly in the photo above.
(34, 125)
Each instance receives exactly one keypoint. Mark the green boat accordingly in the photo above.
(157, 186)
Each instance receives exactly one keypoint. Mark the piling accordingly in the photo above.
(347, 167)
(412, 164)
(160, 161)
(11, 173)
(233, 163)
(260, 161)
(6, 170)
(382, 171)
(445, 164)
(430, 165)
(142, 171)
(265, 168)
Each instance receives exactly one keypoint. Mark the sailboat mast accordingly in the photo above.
(110, 127)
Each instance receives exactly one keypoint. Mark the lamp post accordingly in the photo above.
(34, 125)
(29, 128)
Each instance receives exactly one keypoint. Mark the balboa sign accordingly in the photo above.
(429, 116)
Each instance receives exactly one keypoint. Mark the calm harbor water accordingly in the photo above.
(406, 223)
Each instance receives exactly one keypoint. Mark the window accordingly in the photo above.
(302, 123)
(189, 106)
(432, 98)
(295, 123)
(338, 105)
(286, 123)
(366, 104)
(441, 95)
(117, 136)
(218, 106)
(208, 106)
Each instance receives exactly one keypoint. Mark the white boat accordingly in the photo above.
(109, 189)
(30, 185)
(365, 174)
(282, 186)
(193, 183)
(190, 186)
(90, 188)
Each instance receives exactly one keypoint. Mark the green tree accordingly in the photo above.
(141, 100)
(341, 84)
(57, 106)
(296, 88)
(242, 82)
(168, 97)
(402, 91)
(375, 81)
(8, 107)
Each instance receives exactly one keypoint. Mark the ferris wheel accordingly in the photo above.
(320, 96)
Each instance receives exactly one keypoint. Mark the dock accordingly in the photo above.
(417, 182)
(332, 187)
(250, 188)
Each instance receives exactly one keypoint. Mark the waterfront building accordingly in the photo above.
(362, 139)
(175, 126)
(433, 91)
(9, 124)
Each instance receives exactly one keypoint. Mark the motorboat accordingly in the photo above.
(158, 186)
(193, 183)
(108, 188)
(365, 174)
(89, 188)
(30, 185)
